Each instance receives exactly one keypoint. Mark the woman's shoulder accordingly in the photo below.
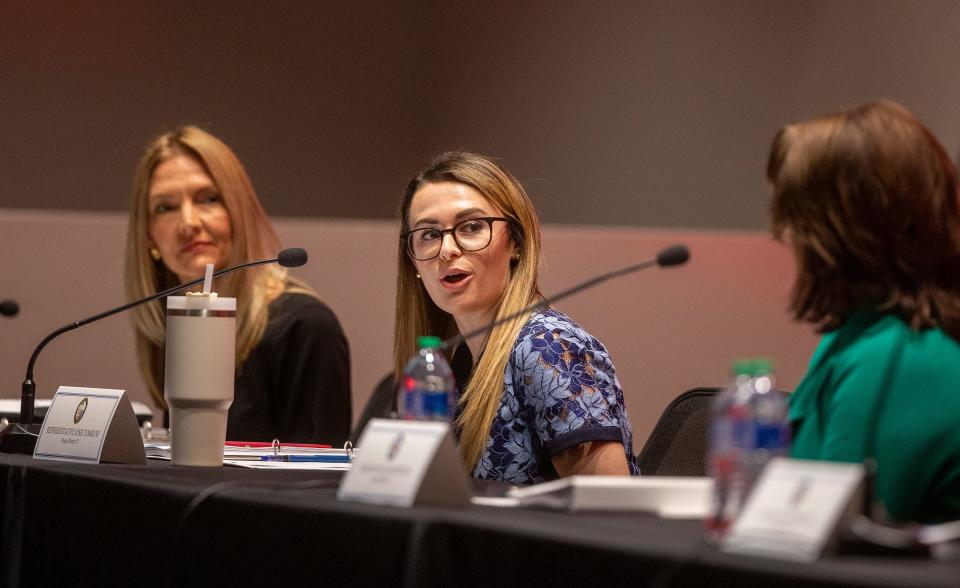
(878, 352)
(889, 336)
(555, 357)
(301, 307)
(889, 353)
(550, 327)
(552, 320)
(932, 359)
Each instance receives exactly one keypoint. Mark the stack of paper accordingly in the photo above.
(264, 456)
(666, 496)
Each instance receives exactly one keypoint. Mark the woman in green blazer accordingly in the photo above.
(867, 199)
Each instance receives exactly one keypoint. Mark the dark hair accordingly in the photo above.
(868, 200)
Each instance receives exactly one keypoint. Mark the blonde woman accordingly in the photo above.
(194, 204)
(541, 398)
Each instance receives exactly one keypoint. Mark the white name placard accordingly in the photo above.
(405, 462)
(90, 425)
(796, 509)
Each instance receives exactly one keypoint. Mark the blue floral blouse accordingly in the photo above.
(559, 390)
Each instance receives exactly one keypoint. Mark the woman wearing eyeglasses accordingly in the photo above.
(540, 398)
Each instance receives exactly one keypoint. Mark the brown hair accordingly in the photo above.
(868, 200)
(253, 238)
(416, 314)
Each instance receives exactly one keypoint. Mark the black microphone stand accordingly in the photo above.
(671, 256)
(21, 437)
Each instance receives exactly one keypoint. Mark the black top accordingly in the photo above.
(295, 384)
(461, 363)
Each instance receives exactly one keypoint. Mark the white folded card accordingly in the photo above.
(406, 462)
(10, 408)
(796, 509)
(666, 496)
(90, 425)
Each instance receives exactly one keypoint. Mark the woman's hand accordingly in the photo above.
(592, 458)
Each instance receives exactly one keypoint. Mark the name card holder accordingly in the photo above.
(797, 509)
(90, 425)
(402, 463)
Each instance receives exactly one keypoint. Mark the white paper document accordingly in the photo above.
(268, 458)
(668, 497)
(287, 465)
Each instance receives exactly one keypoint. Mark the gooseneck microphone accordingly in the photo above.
(671, 256)
(293, 257)
(9, 308)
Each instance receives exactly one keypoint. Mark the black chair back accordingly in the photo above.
(380, 406)
(678, 444)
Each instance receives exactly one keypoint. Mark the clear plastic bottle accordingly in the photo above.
(749, 425)
(428, 390)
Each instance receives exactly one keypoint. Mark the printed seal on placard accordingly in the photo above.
(81, 409)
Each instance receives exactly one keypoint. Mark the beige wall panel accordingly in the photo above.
(668, 329)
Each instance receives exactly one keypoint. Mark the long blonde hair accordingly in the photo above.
(416, 314)
(253, 238)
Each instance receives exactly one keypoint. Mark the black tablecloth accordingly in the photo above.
(107, 525)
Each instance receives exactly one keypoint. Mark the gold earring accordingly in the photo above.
(154, 253)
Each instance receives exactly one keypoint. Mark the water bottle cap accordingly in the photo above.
(741, 367)
(433, 342)
(762, 366)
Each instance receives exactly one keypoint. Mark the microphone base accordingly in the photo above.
(19, 439)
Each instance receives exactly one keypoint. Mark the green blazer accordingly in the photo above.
(875, 386)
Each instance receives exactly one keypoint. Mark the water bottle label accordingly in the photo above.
(773, 437)
(436, 404)
(423, 404)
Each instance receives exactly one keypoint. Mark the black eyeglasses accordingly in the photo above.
(472, 234)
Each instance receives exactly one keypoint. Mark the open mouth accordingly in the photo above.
(455, 278)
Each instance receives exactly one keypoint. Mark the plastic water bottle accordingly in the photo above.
(749, 426)
(428, 390)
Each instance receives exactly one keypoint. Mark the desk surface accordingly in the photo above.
(93, 525)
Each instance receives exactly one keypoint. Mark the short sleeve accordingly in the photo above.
(569, 388)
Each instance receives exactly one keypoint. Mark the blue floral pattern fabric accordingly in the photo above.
(560, 389)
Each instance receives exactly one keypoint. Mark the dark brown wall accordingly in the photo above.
(317, 98)
(634, 113)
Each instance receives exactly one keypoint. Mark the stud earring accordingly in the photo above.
(418, 275)
(154, 253)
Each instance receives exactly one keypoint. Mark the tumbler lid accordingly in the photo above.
(201, 303)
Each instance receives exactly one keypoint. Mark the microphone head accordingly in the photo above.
(293, 257)
(675, 255)
(9, 307)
